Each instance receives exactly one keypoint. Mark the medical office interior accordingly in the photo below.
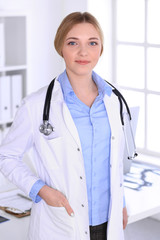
(130, 61)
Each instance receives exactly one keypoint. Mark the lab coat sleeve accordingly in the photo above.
(18, 141)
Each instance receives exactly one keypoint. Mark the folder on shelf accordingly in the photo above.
(2, 45)
(16, 92)
(5, 98)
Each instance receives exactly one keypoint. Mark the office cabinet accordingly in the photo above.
(13, 65)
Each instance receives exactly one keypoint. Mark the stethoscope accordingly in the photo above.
(46, 128)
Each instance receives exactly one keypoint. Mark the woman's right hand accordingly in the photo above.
(55, 198)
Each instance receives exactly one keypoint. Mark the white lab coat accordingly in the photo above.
(59, 163)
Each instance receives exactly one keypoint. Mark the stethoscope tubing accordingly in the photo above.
(46, 128)
(47, 103)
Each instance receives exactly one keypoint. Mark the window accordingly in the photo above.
(136, 65)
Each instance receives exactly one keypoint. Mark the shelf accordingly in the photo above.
(13, 63)
(2, 123)
(13, 68)
(12, 13)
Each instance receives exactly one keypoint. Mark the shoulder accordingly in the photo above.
(40, 95)
(37, 96)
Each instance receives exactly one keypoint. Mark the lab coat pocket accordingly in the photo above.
(51, 136)
(48, 151)
(62, 222)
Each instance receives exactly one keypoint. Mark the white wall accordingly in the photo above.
(104, 16)
(43, 19)
(43, 62)
(74, 6)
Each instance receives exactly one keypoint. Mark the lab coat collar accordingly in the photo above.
(103, 86)
(57, 94)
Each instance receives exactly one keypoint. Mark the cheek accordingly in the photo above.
(96, 55)
(67, 54)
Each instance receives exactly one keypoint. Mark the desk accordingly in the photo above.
(15, 228)
(142, 202)
(142, 192)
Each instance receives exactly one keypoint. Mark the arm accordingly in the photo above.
(18, 141)
(51, 196)
(125, 217)
(55, 198)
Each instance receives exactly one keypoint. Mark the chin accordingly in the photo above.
(82, 71)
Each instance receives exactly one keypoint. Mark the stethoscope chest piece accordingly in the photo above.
(46, 128)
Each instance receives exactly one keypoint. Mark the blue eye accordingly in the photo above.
(72, 43)
(93, 43)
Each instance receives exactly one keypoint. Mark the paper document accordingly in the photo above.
(13, 200)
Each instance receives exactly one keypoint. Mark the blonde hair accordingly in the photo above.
(68, 22)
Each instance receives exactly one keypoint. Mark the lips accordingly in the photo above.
(82, 62)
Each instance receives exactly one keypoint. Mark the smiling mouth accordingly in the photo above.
(82, 62)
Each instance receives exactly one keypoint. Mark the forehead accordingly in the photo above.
(83, 30)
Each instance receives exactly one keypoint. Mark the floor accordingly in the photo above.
(147, 229)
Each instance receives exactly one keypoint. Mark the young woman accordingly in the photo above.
(78, 190)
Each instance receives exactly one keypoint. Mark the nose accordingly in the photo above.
(83, 51)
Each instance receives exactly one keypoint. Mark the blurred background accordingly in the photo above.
(131, 57)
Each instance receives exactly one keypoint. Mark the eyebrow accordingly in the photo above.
(74, 38)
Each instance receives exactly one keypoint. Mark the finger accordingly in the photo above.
(125, 221)
(69, 209)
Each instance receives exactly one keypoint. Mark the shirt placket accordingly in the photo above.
(93, 161)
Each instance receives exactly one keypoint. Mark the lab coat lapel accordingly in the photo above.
(112, 107)
(113, 114)
(57, 96)
(70, 124)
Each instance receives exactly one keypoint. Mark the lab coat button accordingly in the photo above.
(81, 177)
(82, 205)
(78, 149)
(113, 137)
(86, 232)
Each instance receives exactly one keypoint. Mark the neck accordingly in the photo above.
(81, 83)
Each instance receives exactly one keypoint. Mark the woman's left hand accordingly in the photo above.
(125, 217)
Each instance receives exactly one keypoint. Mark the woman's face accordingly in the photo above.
(81, 49)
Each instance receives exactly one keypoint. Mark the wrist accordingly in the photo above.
(43, 191)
